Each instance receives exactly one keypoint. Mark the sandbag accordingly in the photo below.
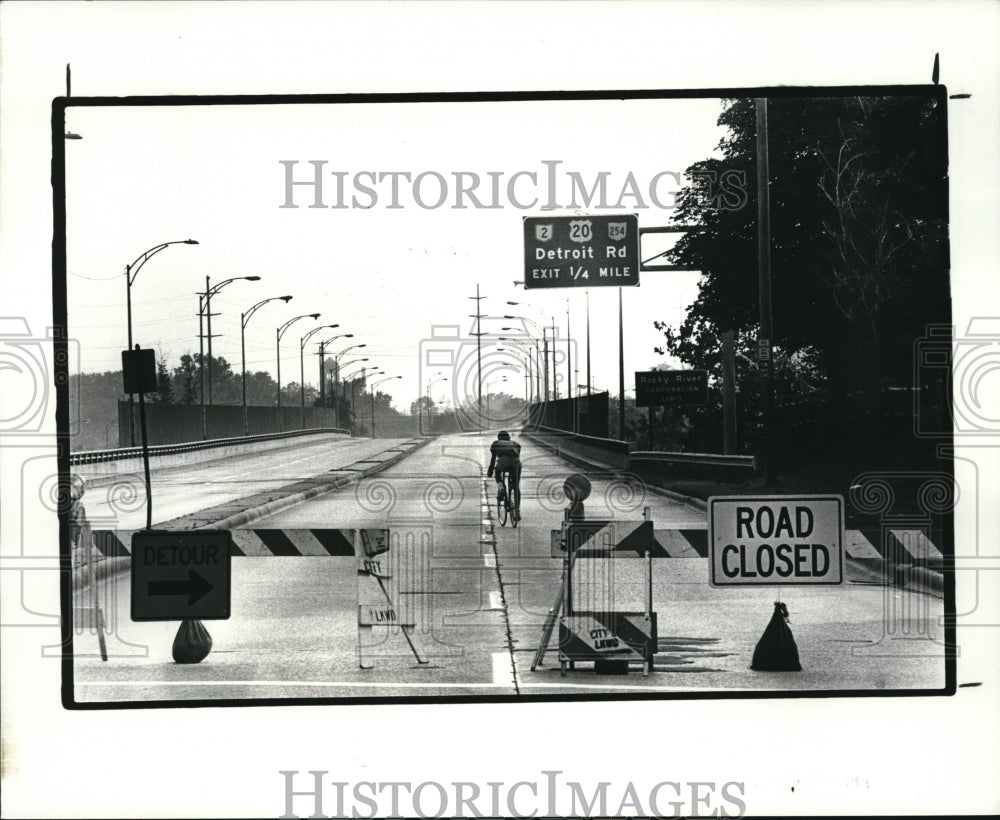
(776, 650)
(192, 642)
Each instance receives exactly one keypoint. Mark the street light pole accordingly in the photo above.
(322, 369)
(372, 389)
(302, 367)
(205, 308)
(131, 272)
(209, 293)
(525, 362)
(537, 383)
(353, 378)
(278, 334)
(430, 402)
(543, 372)
(244, 318)
(336, 383)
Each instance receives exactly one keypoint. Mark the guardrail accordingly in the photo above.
(649, 464)
(657, 468)
(120, 454)
(707, 459)
(586, 450)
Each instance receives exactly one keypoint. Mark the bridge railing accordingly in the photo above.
(648, 464)
(659, 468)
(125, 453)
(604, 452)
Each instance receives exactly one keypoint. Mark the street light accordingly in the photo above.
(430, 404)
(545, 340)
(281, 332)
(336, 379)
(131, 272)
(244, 318)
(353, 377)
(302, 366)
(530, 381)
(372, 393)
(322, 370)
(489, 382)
(525, 362)
(205, 307)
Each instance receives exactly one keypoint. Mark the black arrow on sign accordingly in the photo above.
(195, 587)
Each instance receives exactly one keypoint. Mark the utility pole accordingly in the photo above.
(478, 316)
(728, 393)
(764, 342)
(589, 382)
(555, 375)
(621, 370)
(574, 408)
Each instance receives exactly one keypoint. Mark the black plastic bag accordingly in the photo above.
(192, 642)
(776, 650)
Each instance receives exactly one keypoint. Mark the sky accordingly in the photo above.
(388, 275)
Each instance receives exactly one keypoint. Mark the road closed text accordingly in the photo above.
(776, 540)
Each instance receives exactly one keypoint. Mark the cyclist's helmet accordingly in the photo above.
(503, 435)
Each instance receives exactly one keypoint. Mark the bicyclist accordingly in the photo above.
(505, 457)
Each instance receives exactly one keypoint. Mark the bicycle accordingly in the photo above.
(506, 509)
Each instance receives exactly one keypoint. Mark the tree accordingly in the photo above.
(858, 198)
(164, 388)
(185, 380)
(422, 406)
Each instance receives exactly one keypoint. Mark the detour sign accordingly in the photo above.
(771, 540)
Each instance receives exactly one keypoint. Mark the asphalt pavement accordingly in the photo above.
(477, 596)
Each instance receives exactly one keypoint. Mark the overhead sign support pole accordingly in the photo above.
(764, 356)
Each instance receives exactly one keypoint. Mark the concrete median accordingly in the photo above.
(252, 508)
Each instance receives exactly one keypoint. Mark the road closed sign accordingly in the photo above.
(776, 540)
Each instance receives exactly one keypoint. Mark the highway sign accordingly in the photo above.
(776, 540)
(581, 251)
(671, 388)
(180, 575)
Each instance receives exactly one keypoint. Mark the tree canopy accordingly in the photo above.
(859, 247)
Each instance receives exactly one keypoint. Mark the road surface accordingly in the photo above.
(183, 489)
(478, 596)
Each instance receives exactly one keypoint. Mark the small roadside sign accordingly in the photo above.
(181, 575)
(776, 540)
(581, 251)
(671, 388)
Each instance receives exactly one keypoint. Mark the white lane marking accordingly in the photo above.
(286, 683)
(495, 602)
(505, 679)
(503, 674)
(490, 560)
